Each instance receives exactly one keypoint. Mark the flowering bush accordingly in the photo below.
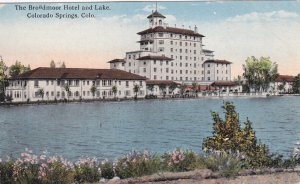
(137, 164)
(107, 169)
(87, 170)
(180, 160)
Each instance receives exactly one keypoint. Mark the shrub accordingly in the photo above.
(6, 172)
(87, 170)
(229, 137)
(179, 161)
(137, 164)
(227, 165)
(107, 170)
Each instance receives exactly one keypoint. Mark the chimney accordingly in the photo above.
(175, 25)
(196, 29)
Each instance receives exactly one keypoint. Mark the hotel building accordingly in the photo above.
(79, 82)
(171, 53)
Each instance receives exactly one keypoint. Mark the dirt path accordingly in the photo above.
(206, 177)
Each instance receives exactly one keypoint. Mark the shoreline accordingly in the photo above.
(52, 102)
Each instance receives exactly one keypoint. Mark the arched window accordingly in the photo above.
(160, 22)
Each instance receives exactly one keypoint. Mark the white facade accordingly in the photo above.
(217, 70)
(176, 54)
(22, 90)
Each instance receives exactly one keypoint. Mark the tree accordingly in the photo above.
(3, 77)
(195, 87)
(230, 137)
(52, 64)
(114, 89)
(259, 73)
(136, 89)
(281, 87)
(17, 69)
(162, 88)
(296, 84)
(172, 87)
(182, 88)
(67, 89)
(93, 90)
(41, 93)
(63, 65)
(150, 87)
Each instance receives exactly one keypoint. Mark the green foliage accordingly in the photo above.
(87, 171)
(259, 72)
(162, 88)
(229, 137)
(227, 165)
(114, 89)
(136, 89)
(172, 87)
(58, 173)
(194, 87)
(6, 172)
(179, 161)
(41, 93)
(17, 69)
(137, 164)
(296, 84)
(182, 88)
(93, 90)
(150, 87)
(107, 170)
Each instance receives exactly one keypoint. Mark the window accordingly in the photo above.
(141, 83)
(88, 82)
(195, 44)
(36, 83)
(180, 43)
(171, 35)
(208, 71)
(154, 77)
(180, 50)
(167, 70)
(171, 49)
(144, 69)
(129, 56)
(154, 69)
(186, 57)
(167, 77)
(58, 94)
(180, 57)
(208, 78)
(186, 64)
(160, 22)
(186, 72)
(160, 34)
(180, 72)
(180, 36)
(208, 65)
(217, 71)
(129, 64)
(186, 51)
(161, 42)
(127, 83)
(180, 64)
(172, 57)
(161, 49)
(226, 72)
(47, 82)
(194, 51)
(154, 62)
(185, 37)
(119, 82)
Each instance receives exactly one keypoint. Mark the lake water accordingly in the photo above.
(112, 129)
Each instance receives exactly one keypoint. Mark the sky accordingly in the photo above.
(235, 30)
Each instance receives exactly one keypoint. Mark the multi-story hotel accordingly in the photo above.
(79, 82)
(171, 53)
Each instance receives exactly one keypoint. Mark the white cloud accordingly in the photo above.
(264, 16)
(150, 8)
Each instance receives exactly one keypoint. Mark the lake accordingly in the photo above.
(112, 129)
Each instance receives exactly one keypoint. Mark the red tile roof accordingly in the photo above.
(170, 30)
(117, 61)
(155, 58)
(78, 73)
(217, 61)
(285, 78)
(158, 82)
(156, 14)
(224, 83)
